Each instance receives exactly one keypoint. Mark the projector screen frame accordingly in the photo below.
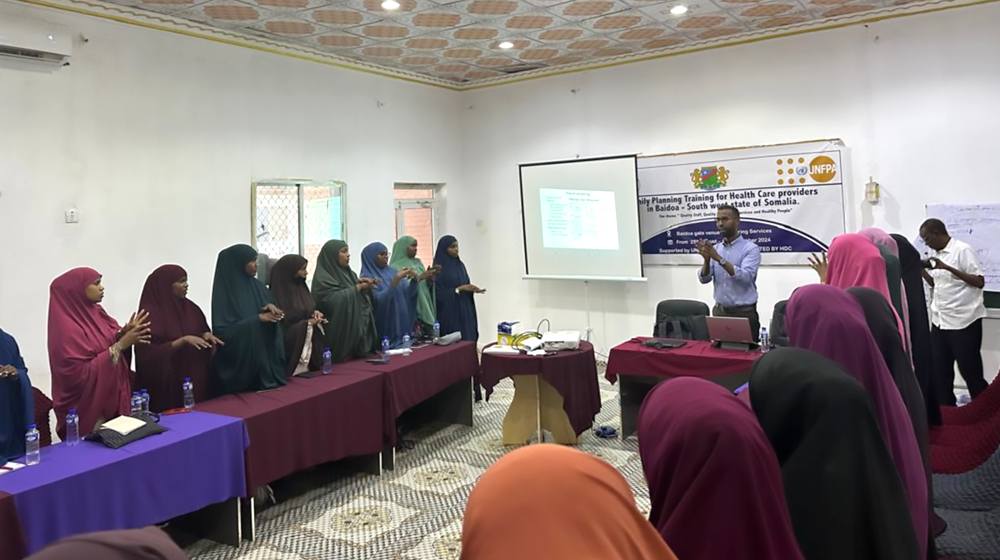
(524, 231)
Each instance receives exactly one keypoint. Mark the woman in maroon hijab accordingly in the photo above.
(831, 323)
(181, 344)
(714, 480)
(136, 544)
(88, 353)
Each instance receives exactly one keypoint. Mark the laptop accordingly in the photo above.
(730, 333)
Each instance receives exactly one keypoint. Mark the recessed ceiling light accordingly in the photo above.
(676, 10)
(390, 5)
(506, 45)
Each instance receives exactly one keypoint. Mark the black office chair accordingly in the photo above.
(777, 332)
(682, 319)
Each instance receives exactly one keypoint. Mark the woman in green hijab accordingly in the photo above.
(244, 317)
(404, 255)
(346, 301)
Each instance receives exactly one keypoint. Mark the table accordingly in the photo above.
(306, 423)
(562, 389)
(196, 463)
(438, 376)
(641, 368)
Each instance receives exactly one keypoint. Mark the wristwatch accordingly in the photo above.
(457, 291)
(723, 262)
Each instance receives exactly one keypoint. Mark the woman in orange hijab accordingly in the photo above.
(549, 501)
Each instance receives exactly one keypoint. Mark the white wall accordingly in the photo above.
(156, 137)
(914, 98)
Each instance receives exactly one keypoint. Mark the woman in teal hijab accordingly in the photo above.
(346, 301)
(404, 255)
(245, 318)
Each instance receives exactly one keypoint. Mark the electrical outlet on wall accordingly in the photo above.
(72, 216)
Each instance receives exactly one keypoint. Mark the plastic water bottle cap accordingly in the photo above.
(143, 391)
(72, 411)
(31, 426)
(187, 379)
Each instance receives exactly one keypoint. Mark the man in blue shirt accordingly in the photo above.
(732, 265)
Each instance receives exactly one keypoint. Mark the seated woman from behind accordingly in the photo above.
(17, 404)
(303, 324)
(247, 321)
(552, 502)
(181, 346)
(347, 301)
(88, 353)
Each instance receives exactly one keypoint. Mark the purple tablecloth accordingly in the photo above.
(197, 462)
(572, 372)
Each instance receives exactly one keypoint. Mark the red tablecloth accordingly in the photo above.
(695, 359)
(410, 380)
(573, 373)
(306, 423)
(13, 545)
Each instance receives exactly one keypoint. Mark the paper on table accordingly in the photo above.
(11, 467)
(124, 425)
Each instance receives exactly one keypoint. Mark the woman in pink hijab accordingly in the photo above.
(854, 261)
(883, 239)
(88, 353)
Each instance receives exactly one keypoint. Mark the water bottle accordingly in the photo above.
(72, 428)
(437, 329)
(32, 443)
(144, 394)
(188, 393)
(136, 403)
(765, 340)
(327, 362)
(406, 341)
(385, 348)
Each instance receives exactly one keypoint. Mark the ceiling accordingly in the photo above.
(457, 42)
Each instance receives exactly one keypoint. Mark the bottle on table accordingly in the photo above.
(32, 446)
(406, 341)
(72, 428)
(136, 403)
(437, 329)
(188, 393)
(385, 348)
(765, 340)
(144, 394)
(327, 362)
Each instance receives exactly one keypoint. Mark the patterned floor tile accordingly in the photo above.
(445, 544)
(361, 521)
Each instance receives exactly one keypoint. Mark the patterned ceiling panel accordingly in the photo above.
(468, 41)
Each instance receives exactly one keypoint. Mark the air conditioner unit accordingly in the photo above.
(35, 42)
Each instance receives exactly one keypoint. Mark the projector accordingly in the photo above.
(562, 340)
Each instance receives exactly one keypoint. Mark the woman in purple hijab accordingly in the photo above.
(831, 323)
(714, 480)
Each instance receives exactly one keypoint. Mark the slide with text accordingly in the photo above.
(578, 219)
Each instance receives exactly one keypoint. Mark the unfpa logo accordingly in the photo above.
(822, 169)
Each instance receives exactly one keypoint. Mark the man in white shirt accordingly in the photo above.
(957, 311)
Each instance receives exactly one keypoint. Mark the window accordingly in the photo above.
(417, 215)
(297, 217)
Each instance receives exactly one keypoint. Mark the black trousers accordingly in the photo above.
(747, 311)
(962, 346)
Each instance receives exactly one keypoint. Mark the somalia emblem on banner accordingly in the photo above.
(710, 178)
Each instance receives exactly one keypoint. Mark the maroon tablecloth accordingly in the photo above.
(13, 545)
(306, 423)
(572, 372)
(695, 359)
(410, 380)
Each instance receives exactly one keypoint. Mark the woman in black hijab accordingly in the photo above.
(844, 494)
(245, 317)
(882, 324)
(920, 327)
(292, 295)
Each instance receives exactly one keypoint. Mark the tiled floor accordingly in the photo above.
(413, 513)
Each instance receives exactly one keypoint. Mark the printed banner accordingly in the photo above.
(790, 198)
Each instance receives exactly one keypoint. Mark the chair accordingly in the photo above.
(681, 319)
(43, 406)
(777, 333)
